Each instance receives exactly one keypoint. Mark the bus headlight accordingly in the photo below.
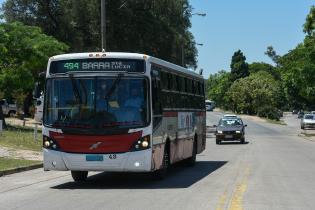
(50, 143)
(141, 144)
(46, 144)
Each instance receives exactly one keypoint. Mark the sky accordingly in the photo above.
(248, 25)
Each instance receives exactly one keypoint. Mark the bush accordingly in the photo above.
(269, 112)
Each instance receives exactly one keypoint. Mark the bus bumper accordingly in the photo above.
(139, 161)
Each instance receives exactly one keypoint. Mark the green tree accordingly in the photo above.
(217, 86)
(159, 28)
(252, 94)
(24, 52)
(298, 73)
(271, 53)
(239, 67)
(261, 66)
(309, 25)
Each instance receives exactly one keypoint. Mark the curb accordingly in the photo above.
(306, 137)
(20, 169)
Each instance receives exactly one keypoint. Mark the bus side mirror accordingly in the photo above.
(37, 90)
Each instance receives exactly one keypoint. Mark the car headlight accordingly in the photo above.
(220, 132)
(238, 131)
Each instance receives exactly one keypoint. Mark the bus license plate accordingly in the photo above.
(94, 158)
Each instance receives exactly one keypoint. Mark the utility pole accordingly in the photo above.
(183, 54)
(182, 40)
(103, 24)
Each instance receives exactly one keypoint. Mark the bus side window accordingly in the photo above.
(156, 100)
(156, 91)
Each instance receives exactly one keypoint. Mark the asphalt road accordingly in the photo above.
(274, 170)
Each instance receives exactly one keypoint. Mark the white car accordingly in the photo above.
(229, 116)
(9, 109)
(308, 121)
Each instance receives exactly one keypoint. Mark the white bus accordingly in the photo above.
(210, 105)
(121, 112)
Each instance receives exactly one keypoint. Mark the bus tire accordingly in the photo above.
(79, 176)
(162, 172)
(192, 160)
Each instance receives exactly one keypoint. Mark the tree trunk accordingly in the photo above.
(27, 104)
(2, 118)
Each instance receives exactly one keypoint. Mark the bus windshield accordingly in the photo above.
(100, 102)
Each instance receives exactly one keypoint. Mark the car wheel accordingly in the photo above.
(79, 176)
(243, 140)
(218, 141)
(302, 127)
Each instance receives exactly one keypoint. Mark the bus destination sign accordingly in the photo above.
(96, 65)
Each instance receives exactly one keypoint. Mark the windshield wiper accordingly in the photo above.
(113, 87)
(75, 89)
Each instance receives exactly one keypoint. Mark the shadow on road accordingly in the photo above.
(232, 142)
(179, 176)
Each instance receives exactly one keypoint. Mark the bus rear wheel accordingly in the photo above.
(79, 176)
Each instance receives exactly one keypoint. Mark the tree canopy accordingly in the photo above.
(239, 67)
(24, 52)
(157, 27)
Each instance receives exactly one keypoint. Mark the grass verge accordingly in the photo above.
(20, 138)
(9, 163)
(280, 122)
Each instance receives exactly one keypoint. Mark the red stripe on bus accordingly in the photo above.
(170, 114)
(95, 144)
(201, 113)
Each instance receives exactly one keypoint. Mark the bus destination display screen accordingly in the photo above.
(96, 65)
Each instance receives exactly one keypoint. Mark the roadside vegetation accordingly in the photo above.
(32, 31)
(20, 138)
(9, 163)
(263, 89)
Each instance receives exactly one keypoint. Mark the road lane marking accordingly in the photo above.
(232, 198)
(238, 195)
(222, 201)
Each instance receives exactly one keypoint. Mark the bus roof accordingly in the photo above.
(125, 56)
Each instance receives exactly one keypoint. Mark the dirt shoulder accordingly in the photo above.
(20, 154)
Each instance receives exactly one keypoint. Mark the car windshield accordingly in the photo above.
(230, 122)
(96, 102)
(309, 117)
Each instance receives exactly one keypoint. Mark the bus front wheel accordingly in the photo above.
(79, 176)
(162, 172)
(192, 160)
